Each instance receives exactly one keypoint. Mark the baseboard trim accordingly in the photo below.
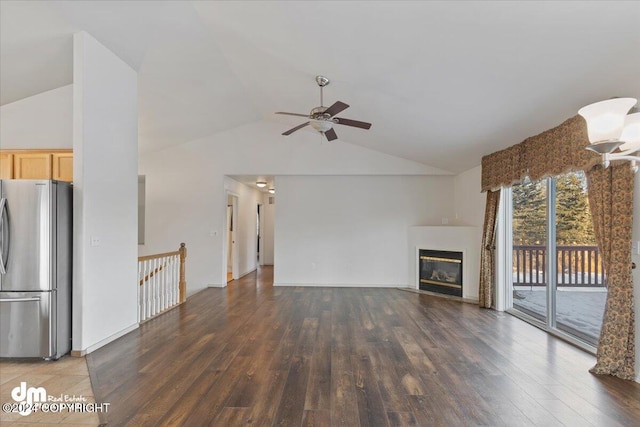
(244, 274)
(336, 285)
(94, 347)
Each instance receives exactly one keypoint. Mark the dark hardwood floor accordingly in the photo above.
(252, 354)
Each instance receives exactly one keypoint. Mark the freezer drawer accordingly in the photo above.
(27, 324)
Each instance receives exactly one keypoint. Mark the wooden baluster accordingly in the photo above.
(183, 282)
(175, 288)
(171, 277)
(144, 290)
(152, 288)
(170, 281)
(145, 296)
(590, 267)
(163, 281)
(168, 284)
(149, 289)
(147, 284)
(156, 264)
(582, 265)
(139, 291)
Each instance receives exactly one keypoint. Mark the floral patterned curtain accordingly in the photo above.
(487, 256)
(611, 202)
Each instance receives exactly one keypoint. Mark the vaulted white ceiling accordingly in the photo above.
(442, 82)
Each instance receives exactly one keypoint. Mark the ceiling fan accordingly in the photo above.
(323, 118)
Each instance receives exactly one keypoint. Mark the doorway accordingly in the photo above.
(231, 237)
(259, 234)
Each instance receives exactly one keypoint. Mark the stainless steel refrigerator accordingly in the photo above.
(35, 268)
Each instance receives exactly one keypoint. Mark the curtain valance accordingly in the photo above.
(552, 152)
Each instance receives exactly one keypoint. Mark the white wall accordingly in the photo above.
(469, 200)
(186, 195)
(469, 208)
(268, 230)
(105, 144)
(40, 121)
(352, 230)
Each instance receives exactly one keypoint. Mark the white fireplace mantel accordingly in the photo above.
(465, 239)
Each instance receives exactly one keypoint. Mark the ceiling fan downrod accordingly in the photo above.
(322, 82)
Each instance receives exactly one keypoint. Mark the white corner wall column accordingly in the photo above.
(105, 144)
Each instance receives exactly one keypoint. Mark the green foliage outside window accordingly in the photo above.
(573, 218)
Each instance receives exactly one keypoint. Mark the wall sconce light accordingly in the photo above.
(261, 184)
(272, 190)
(610, 128)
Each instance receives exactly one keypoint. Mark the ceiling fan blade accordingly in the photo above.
(290, 131)
(331, 134)
(336, 108)
(292, 114)
(354, 123)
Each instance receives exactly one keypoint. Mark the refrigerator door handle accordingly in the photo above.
(4, 235)
(20, 299)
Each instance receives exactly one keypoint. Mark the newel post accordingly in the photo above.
(183, 282)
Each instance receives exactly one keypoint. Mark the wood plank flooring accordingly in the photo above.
(256, 355)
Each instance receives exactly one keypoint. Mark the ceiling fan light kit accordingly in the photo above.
(610, 128)
(323, 118)
(321, 125)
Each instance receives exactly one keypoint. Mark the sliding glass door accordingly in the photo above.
(557, 278)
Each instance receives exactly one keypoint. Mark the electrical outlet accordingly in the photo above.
(95, 241)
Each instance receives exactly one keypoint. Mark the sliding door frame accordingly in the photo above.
(504, 267)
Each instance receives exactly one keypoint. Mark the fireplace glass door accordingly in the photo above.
(441, 272)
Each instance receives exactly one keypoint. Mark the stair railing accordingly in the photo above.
(161, 282)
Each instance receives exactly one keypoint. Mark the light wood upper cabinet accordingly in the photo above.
(6, 165)
(32, 166)
(37, 164)
(63, 166)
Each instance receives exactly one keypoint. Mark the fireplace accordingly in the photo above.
(440, 271)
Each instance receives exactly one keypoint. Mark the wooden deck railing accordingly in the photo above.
(161, 282)
(576, 266)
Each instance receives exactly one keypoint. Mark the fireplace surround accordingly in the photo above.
(454, 238)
